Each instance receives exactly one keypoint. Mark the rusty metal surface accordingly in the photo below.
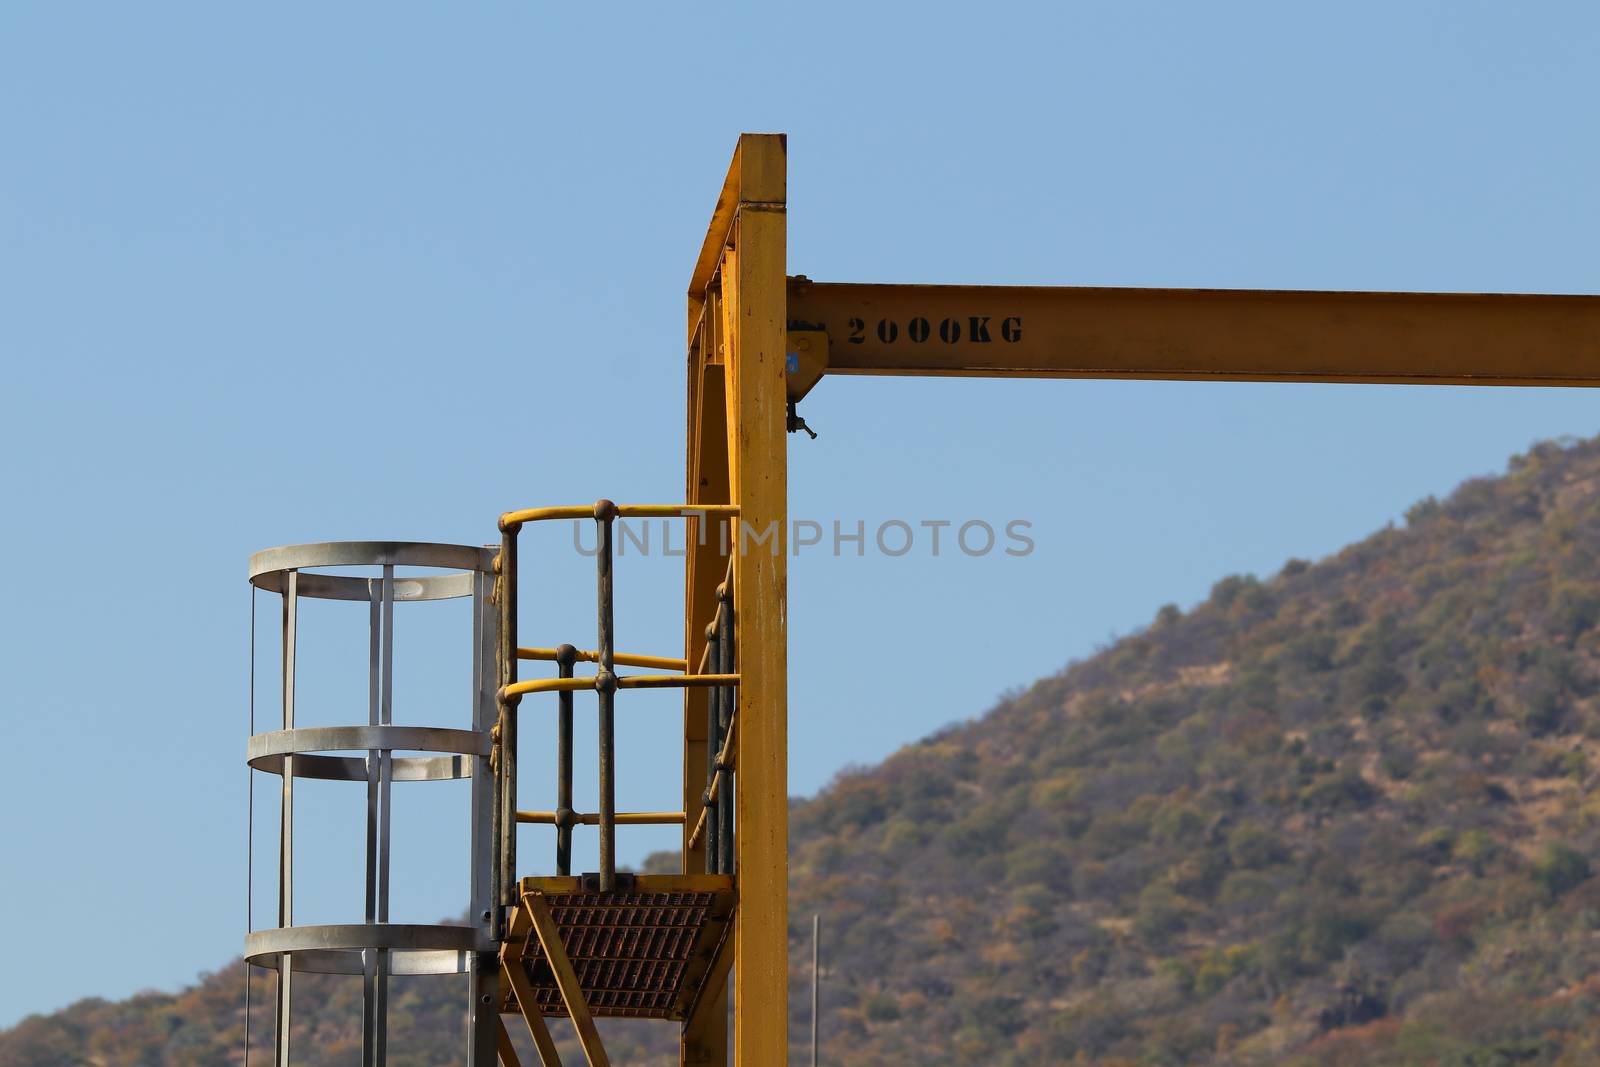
(639, 952)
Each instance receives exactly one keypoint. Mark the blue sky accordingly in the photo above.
(316, 272)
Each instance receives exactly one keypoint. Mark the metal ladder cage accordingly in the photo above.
(716, 671)
(377, 949)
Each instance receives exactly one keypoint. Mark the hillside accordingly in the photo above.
(1340, 816)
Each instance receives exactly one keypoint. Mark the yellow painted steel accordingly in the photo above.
(725, 759)
(736, 430)
(621, 659)
(699, 831)
(754, 316)
(674, 511)
(712, 792)
(624, 681)
(513, 519)
(727, 755)
(626, 659)
(623, 818)
(703, 1039)
(514, 976)
(552, 886)
(508, 1051)
(705, 1032)
(547, 685)
(1202, 334)
(518, 518)
(674, 681)
(555, 954)
(807, 351)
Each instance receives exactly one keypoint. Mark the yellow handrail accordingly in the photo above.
(512, 519)
(621, 659)
(622, 818)
(673, 511)
(626, 681)
(547, 685)
(674, 681)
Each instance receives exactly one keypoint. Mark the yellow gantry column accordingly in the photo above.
(737, 363)
(761, 596)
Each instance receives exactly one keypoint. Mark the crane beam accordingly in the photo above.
(1201, 334)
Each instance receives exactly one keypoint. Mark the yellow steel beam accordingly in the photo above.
(755, 177)
(517, 935)
(1203, 334)
(707, 477)
(703, 1039)
(736, 453)
(515, 978)
(555, 953)
(708, 1015)
(528, 1005)
(753, 293)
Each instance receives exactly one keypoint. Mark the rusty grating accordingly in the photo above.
(641, 952)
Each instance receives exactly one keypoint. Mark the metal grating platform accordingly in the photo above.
(643, 951)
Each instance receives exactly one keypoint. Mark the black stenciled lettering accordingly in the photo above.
(858, 331)
(1011, 329)
(950, 331)
(918, 329)
(978, 329)
(888, 330)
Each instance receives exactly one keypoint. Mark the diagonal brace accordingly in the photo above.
(508, 1051)
(555, 953)
(528, 1002)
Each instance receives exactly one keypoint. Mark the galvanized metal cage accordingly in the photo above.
(365, 752)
